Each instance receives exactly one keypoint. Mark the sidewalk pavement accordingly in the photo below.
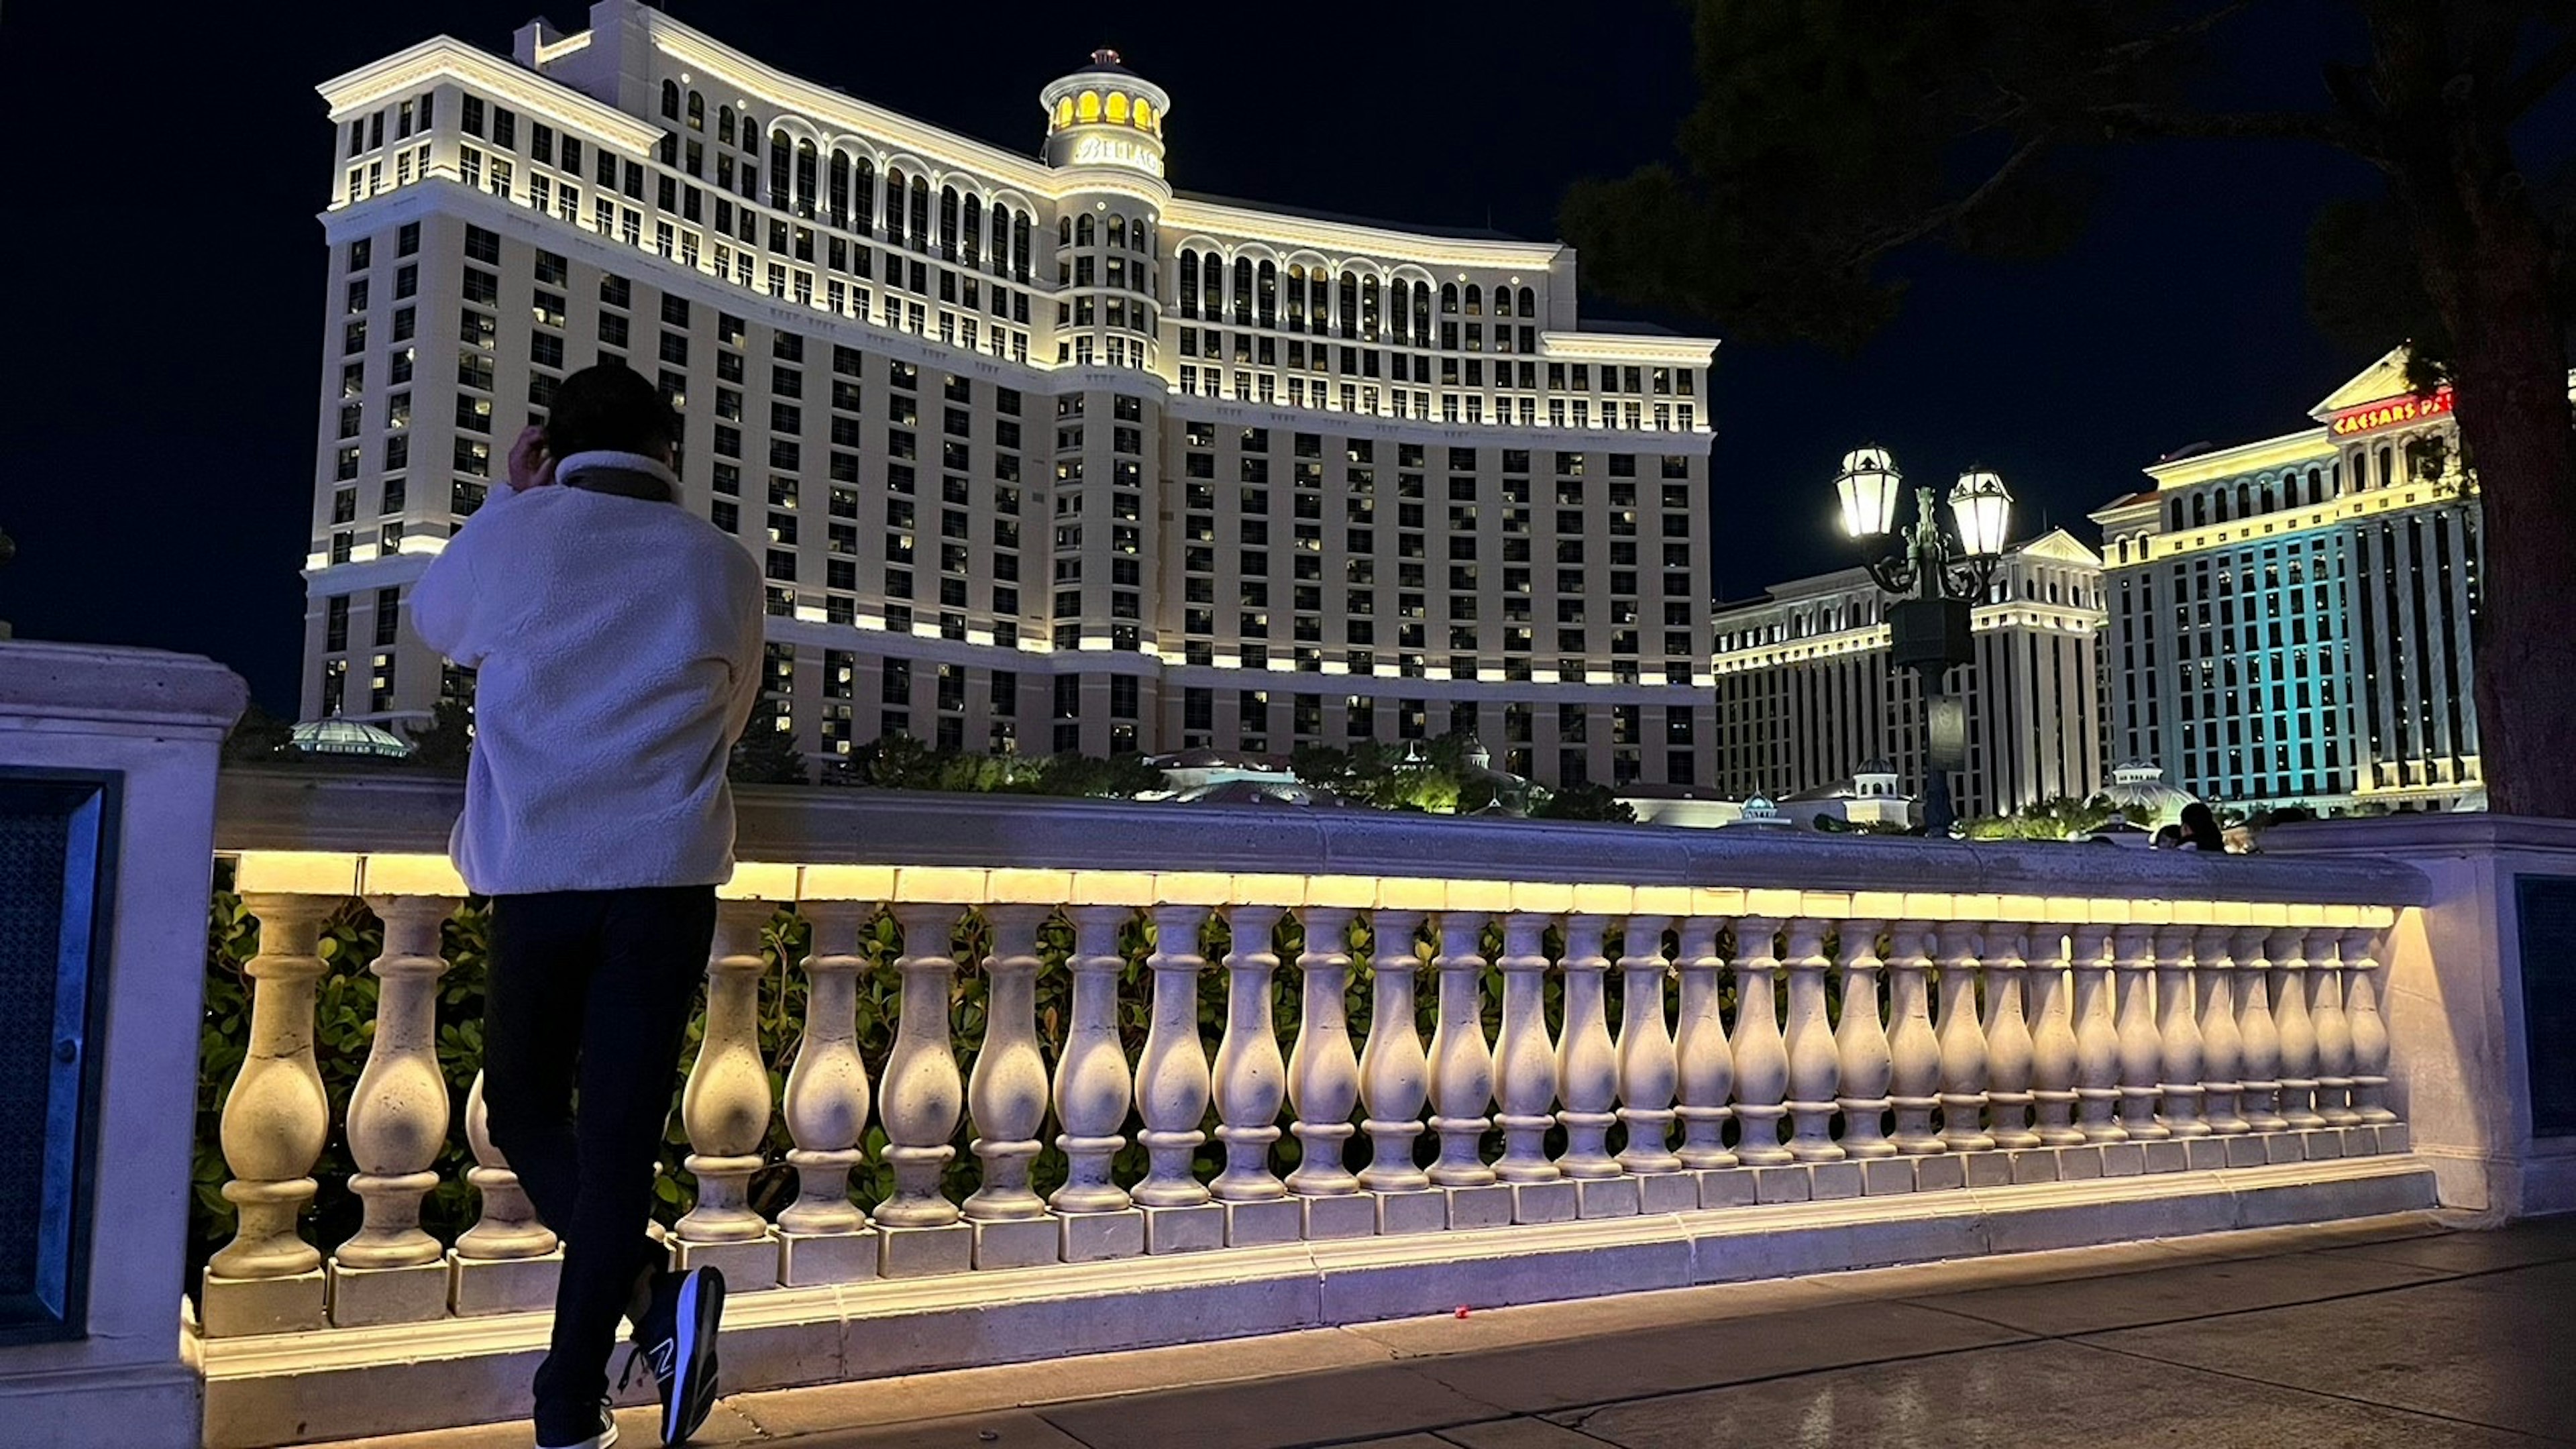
(2393, 1332)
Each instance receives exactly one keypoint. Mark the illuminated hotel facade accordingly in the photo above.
(1037, 453)
(1806, 696)
(2291, 618)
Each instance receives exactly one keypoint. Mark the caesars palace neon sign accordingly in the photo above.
(2389, 413)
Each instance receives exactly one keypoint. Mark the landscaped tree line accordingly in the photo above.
(1832, 137)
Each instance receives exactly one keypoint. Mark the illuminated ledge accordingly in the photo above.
(365, 1381)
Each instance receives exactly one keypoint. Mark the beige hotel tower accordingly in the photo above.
(1037, 452)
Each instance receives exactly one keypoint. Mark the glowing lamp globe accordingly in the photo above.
(1983, 510)
(1868, 484)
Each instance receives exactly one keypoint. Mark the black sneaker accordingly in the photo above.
(594, 1431)
(677, 1340)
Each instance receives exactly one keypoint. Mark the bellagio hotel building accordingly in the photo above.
(1037, 453)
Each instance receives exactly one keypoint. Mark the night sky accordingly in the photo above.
(163, 269)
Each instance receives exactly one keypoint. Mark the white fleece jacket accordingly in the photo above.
(619, 641)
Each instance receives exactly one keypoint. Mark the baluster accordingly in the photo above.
(2222, 1046)
(1007, 1094)
(725, 1106)
(826, 1101)
(1702, 1063)
(1251, 1077)
(1091, 1084)
(2258, 1037)
(1524, 1058)
(920, 1095)
(2298, 1032)
(2333, 1029)
(1914, 1052)
(1814, 1069)
(2369, 1031)
(1646, 1063)
(1172, 1075)
(2178, 1033)
(2097, 1040)
(506, 1225)
(2141, 1053)
(1462, 1066)
(2009, 1048)
(2052, 1046)
(1393, 1070)
(1865, 1066)
(275, 1115)
(1962, 1042)
(1323, 1071)
(398, 1112)
(1587, 1070)
(1761, 1054)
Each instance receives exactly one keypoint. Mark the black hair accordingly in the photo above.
(2200, 827)
(609, 406)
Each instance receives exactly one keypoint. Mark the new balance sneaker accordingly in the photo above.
(677, 1339)
(602, 1430)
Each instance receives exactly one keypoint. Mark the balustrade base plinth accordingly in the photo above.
(1940, 1172)
(1886, 1176)
(805, 1259)
(413, 1293)
(2124, 1159)
(1184, 1229)
(233, 1307)
(1835, 1181)
(749, 1265)
(2035, 1164)
(2170, 1155)
(1255, 1224)
(2247, 1151)
(478, 1287)
(925, 1252)
(2280, 1147)
(1783, 1184)
(1667, 1192)
(1017, 1243)
(1342, 1215)
(1471, 1208)
(1725, 1187)
(1990, 1168)
(1545, 1202)
(2393, 1137)
(1425, 1211)
(1608, 1197)
(2317, 1144)
(1100, 1237)
(2207, 1154)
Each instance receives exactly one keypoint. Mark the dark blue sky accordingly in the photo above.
(163, 270)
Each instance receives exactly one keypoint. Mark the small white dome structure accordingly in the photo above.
(337, 736)
(2139, 792)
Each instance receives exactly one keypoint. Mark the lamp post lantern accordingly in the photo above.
(1936, 580)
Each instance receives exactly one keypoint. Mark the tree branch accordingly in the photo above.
(2140, 120)
(2533, 86)
(1950, 214)
(2146, 45)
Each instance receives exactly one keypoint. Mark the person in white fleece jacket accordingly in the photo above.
(618, 640)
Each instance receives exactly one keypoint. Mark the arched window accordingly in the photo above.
(894, 206)
(697, 111)
(1269, 295)
(1448, 299)
(724, 124)
(2244, 500)
(1368, 311)
(778, 153)
(1001, 252)
(948, 217)
(839, 195)
(1086, 107)
(1502, 301)
(1297, 297)
(1084, 233)
(1144, 114)
(1422, 314)
(1396, 293)
(2199, 510)
(1117, 232)
(1117, 110)
(750, 134)
(2177, 513)
(1020, 245)
(2271, 500)
(1063, 112)
(2387, 466)
(1064, 231)
(1529, 302)
(1212, 288)
(806, 160)
(920, 213)
(1189, 283)
(864, 203)
(671, 100)
(1475, 300)
(971, 229)
(1140, 236)
(1243, 290)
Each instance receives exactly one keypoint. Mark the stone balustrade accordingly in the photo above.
(1690, 1025)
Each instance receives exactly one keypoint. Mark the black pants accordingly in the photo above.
(590, 989)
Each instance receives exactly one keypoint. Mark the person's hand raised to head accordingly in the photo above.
(531, 465)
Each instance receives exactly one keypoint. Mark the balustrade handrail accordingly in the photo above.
(372, 810)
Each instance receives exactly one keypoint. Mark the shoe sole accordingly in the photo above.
(700, 1309)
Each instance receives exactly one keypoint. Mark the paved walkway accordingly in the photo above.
(2393, 1333)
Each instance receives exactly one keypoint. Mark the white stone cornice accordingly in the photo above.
(446, 58)
(1626, 347)
(1287, 232)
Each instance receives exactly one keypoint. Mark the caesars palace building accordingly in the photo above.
(1037, 453)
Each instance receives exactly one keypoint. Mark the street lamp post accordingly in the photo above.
(1935, 580)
